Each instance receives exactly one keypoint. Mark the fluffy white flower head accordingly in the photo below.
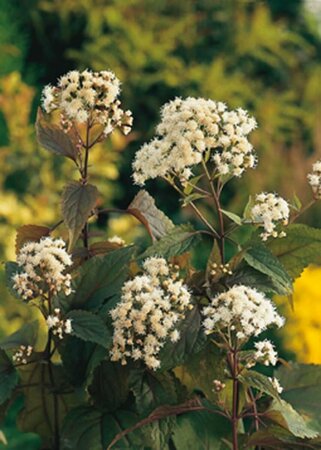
(265, 353)
(147, 316)
(191, 127)
(314, 179)
(58, 325)
(43, 266)
(242, 311)
(88, 96)
(269, 210)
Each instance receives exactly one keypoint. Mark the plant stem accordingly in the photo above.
(197, 211)
(85, 236)
(255, 413)
(197, 188)
(54, 393)
(48, 355)
(96, 140)
(233, 365)
(216, 199)
(85, 172)
(302, 210)
(56, 225)
(203, 219)
(85, 179)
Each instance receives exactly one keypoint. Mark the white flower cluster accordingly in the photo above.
(43, 265)
(151, 306)
(59, 326)
(190, 128)
(242, 311)
(265, 353)
(88, 96)
(276, 384)
(268, 210)
(314, 179)
(21, 356)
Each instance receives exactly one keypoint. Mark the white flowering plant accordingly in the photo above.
(137, 346)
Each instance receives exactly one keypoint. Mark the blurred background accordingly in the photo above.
(264, 56)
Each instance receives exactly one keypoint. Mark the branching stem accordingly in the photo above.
(48, 355)
(197, 211)
(85, 179)
(255, 412)
(232, 359)
(217, 204)
(302, 210)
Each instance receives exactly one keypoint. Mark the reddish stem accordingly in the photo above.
(233, 365)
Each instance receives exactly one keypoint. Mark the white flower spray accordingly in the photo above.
(237, 315)
(189, 129)
(88, 96)
(241, 311)
(151, 307)
(43, 265)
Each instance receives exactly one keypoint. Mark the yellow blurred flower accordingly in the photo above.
(302, 331)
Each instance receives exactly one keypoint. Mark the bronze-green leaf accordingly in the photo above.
(178, 241)
(302, 389)
(287, 417)
(300, 247)
(78, 200)
(260, 382)
(87, 427)
(8, 377)
(54, 139)
(260, 258)
(89, 327)
(28, 233)
(144, 209)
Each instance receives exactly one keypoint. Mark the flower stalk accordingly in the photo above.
(235, 418)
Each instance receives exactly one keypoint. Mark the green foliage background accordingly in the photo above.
(262, 55)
